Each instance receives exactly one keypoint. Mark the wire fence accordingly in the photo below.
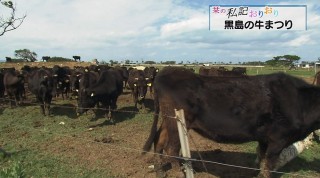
(140, 151)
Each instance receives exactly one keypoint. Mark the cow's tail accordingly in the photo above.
(153, 132)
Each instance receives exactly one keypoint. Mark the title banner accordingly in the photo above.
(258, 17)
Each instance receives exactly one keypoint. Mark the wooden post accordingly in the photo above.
(185, 149)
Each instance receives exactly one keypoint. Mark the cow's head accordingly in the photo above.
(75, 84)
(86, 101)
(140, 87)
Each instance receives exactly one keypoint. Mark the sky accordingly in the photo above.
(141, 30)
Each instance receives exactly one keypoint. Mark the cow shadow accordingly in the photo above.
(300, 164)
(149, 104)
(221, 163)
(2, 108)
(120, 115)
(227, 164)
(68, 110)
(127, 92)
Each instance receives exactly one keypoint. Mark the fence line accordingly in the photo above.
(148, 152)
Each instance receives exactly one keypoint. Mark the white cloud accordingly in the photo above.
(140, 29)
(188, 25)
(300, 41)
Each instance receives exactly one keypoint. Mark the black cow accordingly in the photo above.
(45, 58)
(62, 78)
(150, 74)
(138, 84)
(124, 73)
(41, 84)
(76, 58)
(2, 89)
(240, 70)
(14, 86)
(276, 110)
(8, 59)
(75, 81)
(106, 91)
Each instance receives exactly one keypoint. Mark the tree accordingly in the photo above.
(26, 55)
(111, 62)
(149, 62)
(10, 22)
(285, 60)
(291, 58)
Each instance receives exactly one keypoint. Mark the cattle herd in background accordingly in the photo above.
(89, 85)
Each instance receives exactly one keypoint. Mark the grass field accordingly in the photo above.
(64, 145)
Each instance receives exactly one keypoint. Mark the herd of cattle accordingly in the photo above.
(275, 110)
(90, 85)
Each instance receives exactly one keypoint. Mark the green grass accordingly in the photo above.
(30, 138)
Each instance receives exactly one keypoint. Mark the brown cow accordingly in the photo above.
(275, 110)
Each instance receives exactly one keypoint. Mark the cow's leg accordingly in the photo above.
(141, 102)
(17, 98)
(110, 115)
(151, 91)
(42, 108)
(10, 100)
(49, 98)
(171, 145)
(261, 152)
(135, 99)
(271, 157)
(159, 144)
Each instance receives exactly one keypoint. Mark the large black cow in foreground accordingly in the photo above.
(275, 110)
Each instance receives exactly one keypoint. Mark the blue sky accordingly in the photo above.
(152, 30)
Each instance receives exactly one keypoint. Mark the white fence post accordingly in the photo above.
(185, 149)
